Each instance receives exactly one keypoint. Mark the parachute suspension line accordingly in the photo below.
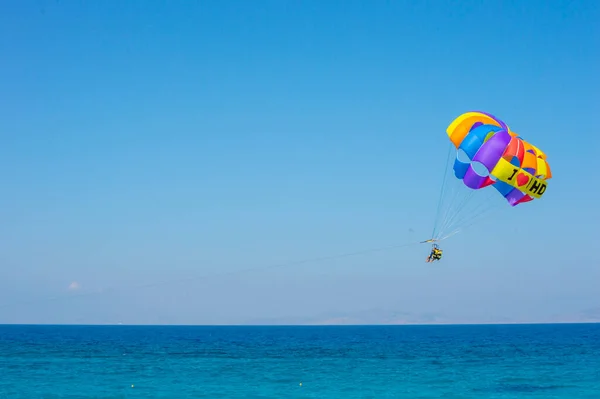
(468, 221)
(450, 212)
(461, 206)
(464, 212)
(489, 201)
(454, 213)
(442, 190)
(447, 211)
(455, 222)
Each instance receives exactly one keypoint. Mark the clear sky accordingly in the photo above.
(146, 141)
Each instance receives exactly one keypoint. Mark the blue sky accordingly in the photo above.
(147, 141)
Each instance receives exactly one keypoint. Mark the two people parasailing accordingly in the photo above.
(436, 254)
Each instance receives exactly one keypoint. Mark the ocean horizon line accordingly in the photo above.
(300, 324)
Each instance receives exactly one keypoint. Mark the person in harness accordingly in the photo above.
(436, 254)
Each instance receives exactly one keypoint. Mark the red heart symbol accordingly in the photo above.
(522, 179)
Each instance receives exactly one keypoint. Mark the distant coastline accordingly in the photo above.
(365, 317)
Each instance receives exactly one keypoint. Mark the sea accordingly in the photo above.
(464, 361)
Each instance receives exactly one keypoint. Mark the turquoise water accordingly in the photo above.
(515, 361)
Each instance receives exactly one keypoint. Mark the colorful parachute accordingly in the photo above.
(487, 153)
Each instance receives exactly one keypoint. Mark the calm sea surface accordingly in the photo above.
(514, 361)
